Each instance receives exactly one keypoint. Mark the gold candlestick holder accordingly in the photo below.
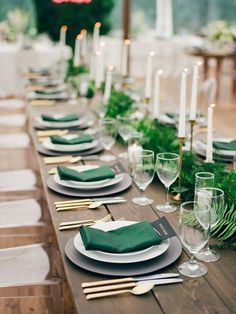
(192, 124)
(147, 103)
(178, 196)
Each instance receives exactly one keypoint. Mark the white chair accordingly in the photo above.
(23, 222)
(13, 120)
(17, 180)
(12, 104)
(31, 280)
(14, 140)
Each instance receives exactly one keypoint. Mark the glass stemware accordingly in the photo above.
(167, 167)
(143, 174)
(125, 129)
(215, 199)
(193, 236)
(204, 179)
(107, 136)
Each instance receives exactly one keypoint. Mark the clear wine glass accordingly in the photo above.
(167, 167)
(108, 132)
(215, 199)
(143, 174)
(193, 236)
(125, 129)
(204, 179)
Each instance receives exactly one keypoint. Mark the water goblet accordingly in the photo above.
(193, 236)
(213, 197)
(167, 167)
(143, 174)
(125, 129)
(107, 136)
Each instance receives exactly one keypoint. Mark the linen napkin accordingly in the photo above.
(101, 173)
(65, 118)
(131, 238)
(76, 140)
(225, 145)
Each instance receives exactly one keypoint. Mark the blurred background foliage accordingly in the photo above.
(189, 16)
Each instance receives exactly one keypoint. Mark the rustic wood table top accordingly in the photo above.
(213, 293)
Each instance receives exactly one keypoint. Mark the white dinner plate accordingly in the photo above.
(88, 185)
(131, 257)
(69, 148)
(68, 124)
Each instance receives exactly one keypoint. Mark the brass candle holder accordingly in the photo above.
(178, 196)
(147, 103)
(192, 124)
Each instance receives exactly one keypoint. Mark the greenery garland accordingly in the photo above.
(161, 138)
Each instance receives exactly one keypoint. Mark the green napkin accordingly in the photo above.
(77, 140)
(97, 174)
(131, 238)
(65, 118)
(225, 146)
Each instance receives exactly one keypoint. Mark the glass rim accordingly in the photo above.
(145, 152)
(164, 158)
(194, 203)
(221, 192)
(210, 174)
(136, 134)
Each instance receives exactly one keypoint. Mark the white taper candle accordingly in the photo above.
(182, 105)
(209, 151)
(193, 104)
(96, 36)
(77, 59)
(108, 84)
(148, 84)
(124, 57)
(156, 96)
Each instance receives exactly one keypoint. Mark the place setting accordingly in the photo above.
(90, 180)
(134, 248)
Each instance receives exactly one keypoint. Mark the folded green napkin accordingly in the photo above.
(97, 174)
(65, 118)
(77, 140)
(131, 238)
(225, 146)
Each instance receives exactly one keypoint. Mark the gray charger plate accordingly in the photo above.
(133, 269)
(119, 187)
(216, 156)
(44, 151)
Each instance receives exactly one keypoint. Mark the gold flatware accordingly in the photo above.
(80, 222)
(137, 290)
(42, 102)
(52, 133)
(61, 159)
(89, 204)
(104, 199)
(75, 226)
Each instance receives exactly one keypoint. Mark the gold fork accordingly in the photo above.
(76, 224)
(61, 159)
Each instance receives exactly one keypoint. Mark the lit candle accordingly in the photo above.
(124, 59)
(63, 31)
(98, 69)
(84, 44)
(108, 84)
(76, 60)
(148, 85)
(156, 96)
(209, 151)
(193, 105)
(96, 35)
(182, 106)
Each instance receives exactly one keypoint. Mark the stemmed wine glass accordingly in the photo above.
(167, 167)
(143, 174)
(214, 198)
(125, 129)
(193, 236)
(108, 136)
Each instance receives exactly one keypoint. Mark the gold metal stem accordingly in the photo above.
(181, 143)
(192, 123)
(147, 102)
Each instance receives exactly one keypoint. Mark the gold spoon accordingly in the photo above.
(138, 290)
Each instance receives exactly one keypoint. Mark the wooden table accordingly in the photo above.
(219, 57)
(214, 293)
